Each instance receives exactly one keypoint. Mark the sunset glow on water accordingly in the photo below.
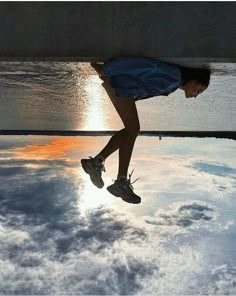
(69, 96)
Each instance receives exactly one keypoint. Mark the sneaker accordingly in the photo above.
(124, 189)
(94, 169)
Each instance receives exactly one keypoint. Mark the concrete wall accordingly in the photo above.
(85, 30)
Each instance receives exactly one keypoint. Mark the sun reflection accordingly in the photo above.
(94, 115)
(91, 197)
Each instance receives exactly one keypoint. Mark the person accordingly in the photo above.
(127, 80)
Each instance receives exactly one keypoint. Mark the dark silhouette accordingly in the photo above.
(126, 80)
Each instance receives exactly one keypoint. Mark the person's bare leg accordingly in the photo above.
(115, 140)
(125, 138)
(113, 144)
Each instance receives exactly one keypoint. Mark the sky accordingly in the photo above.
(61, 235)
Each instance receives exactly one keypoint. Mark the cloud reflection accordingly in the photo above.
(60, 235)
(184, 215)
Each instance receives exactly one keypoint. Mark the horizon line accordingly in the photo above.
(200, 134)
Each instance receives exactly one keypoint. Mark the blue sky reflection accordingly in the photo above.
(61, 235)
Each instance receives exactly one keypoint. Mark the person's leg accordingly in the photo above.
(112, 145)
(127, 111)
(115, 140)
(125, 138)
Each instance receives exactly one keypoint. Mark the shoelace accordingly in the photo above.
(128, 181)
(102, 165)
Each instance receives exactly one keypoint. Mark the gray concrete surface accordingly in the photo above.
(98, 30)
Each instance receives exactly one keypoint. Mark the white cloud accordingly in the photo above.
(185, 216)
(223, 280)
(49, 246)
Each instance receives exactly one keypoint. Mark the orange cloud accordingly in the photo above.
(56, 148)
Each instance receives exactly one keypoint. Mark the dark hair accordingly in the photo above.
(200, 75)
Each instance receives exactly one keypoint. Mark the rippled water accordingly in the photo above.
(69, 96)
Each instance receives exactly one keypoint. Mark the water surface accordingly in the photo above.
(69, 96)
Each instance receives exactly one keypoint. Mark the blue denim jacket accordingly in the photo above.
(142, 77)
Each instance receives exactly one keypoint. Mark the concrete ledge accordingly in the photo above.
(80, 30)
(181, 60)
